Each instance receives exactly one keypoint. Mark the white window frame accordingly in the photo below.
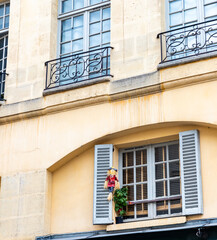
(151, 186)
(3, 35)
(85, 11)
(200, 12)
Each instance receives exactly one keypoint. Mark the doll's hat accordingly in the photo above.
(112, 168)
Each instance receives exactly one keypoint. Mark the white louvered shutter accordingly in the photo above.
(191, 172)
(102, 208)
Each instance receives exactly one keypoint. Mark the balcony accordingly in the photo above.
(189, 43)
(78, 67)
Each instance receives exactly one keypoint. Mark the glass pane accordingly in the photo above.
(1, 23)
(142, 210)
(95, 16)
(95, 40)
(66, 6)
(78, 4)
(141, 157)
(162, 208)
(1, 43)
(106, 25)
(130, 193)
(161, 189)
(77, 45)
(128, 176)
(190, 3)
(191, 15)
(128, 159)
(77, 33)
(175, 187)
(66, 36)
(78, 21)
(6, 52)
(176, 206)
(66, 24)
(5, 64)
(175, 6)
(66, 48)
(106, 37)
(173, 152)
(7, 10)
(6, 41)
(7, 22)
(0, 65)
(160, 154)
(94, 2)
(1, 54)
(141, 192)
(175, 19)
(141, 174)
(211, 10)
(95, 28)
(174, 169)
(208, 1)
(106, 13)
(1, 10)
(160, 171)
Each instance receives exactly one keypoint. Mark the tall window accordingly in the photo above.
(4, 25)
(84, 25)
(152, 175)
(187, 12)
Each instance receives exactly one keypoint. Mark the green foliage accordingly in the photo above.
(120, 199)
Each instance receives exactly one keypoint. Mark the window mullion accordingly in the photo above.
(134, 179)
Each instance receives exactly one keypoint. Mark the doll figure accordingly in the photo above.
(111, 182)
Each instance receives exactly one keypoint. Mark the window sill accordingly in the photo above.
(75, 85)
(186, 60)
(147, 223)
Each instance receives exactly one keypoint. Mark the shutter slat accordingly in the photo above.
(190, 172)
(102, 210)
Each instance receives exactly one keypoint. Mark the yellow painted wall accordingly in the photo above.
(72, 190)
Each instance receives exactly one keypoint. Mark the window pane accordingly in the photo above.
(161, 189)
(94, 1)
(94, 28)
(190, 3)
(142, 210)
(77, 45)
(1, 42)
(6, 41)
(160, 154)
(128, 176)
(5, 64)
(66, 36)
(162, 208)
(141, 192)
(130, 193)
(173, 152)
(174, 169)
(66, 6)
(7, 11)
(175, 187)
(106, 13)
(6, 52)
(208, 1)
(191, 15)
(141, 157)
(1, 23)
(77, 33)
(141, 174)
(176, 206)
(128, 159)
(1, 10)
(175, 6)
(106, 37)
(78, 21)
(160, 171)
(78, 4)
(95, 16)
(1, 54)
(176, 19)
(66, 24)
(66, 48)
(211, 10)
(7, 22)
(106, 25)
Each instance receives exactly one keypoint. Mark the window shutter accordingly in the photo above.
(102, 208)
(190, 172)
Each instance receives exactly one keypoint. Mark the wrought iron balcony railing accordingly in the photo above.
(188, 41)
(78, 67)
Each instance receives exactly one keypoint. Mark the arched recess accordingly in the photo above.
(73, 175)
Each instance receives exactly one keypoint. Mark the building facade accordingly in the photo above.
(90, 84)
